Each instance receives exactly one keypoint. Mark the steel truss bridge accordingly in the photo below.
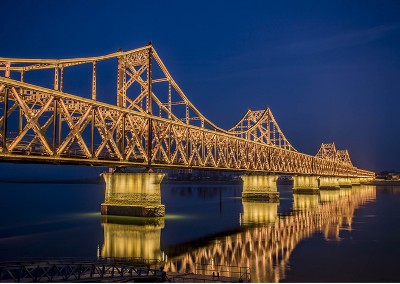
(153, 123)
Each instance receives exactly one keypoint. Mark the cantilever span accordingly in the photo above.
(153, 123)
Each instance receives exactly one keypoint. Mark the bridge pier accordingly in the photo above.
(255, 212)
(355, 181)
(133, 194)
(329, 183)
(345, 182)
(260, 187)
(305, 184)
(365, 180)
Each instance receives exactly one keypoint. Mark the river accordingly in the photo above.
(346, 235)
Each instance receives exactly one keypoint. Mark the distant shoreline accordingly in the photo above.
(385, 182)
(201, 181)
(100, 180)
(73, 181)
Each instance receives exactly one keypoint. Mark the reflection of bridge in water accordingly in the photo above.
(264, 241)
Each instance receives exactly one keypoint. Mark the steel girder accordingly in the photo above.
(59, 127)
(153, 125)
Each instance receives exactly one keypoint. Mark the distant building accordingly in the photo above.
(388, 175)
(394, 176)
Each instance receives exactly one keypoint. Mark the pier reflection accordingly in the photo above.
(305, 201)
(259, 212)
(265, 240)
(329, 195)
(130, 237)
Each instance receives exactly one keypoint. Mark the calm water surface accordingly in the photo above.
(334, 236)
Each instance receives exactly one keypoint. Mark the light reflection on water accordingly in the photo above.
(267, 246)
(209, 224)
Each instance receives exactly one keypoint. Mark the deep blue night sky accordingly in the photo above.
(329, 70)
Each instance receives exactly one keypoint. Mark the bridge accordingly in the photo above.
(153, 125)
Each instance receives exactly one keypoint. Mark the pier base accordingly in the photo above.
(329, 183)
(345, 182)
(355, 181)
(305, 184)
(133, 194)
(364, 180)
(260, 187)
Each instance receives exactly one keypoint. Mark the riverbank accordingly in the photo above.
(60, 181)
(385, 182)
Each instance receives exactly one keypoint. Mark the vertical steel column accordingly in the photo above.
(248, 127)
(170, 142)
(169, 99)
(203, 147)
(92, 132)
(121, 92)
(94, 96)
(60, 88)
(121, 95)
(216, 149)
(149, 84)
(149, 108)
(61, 78)
(55, 127)
(122, 143)
(56, 78)
(20, 110)
(4, 142)
(8, 70)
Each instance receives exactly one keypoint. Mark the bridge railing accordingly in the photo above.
(78, 270)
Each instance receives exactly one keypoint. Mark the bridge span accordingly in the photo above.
(153, 125)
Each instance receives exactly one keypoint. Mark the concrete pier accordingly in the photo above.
(355, 181)
(364, 180)
(260, 187)
(133, 194)
(305, 184)
(345, 182)
(330, 183)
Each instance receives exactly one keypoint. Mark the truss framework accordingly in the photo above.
(149, 127)
(261, 126)
(329, 152)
